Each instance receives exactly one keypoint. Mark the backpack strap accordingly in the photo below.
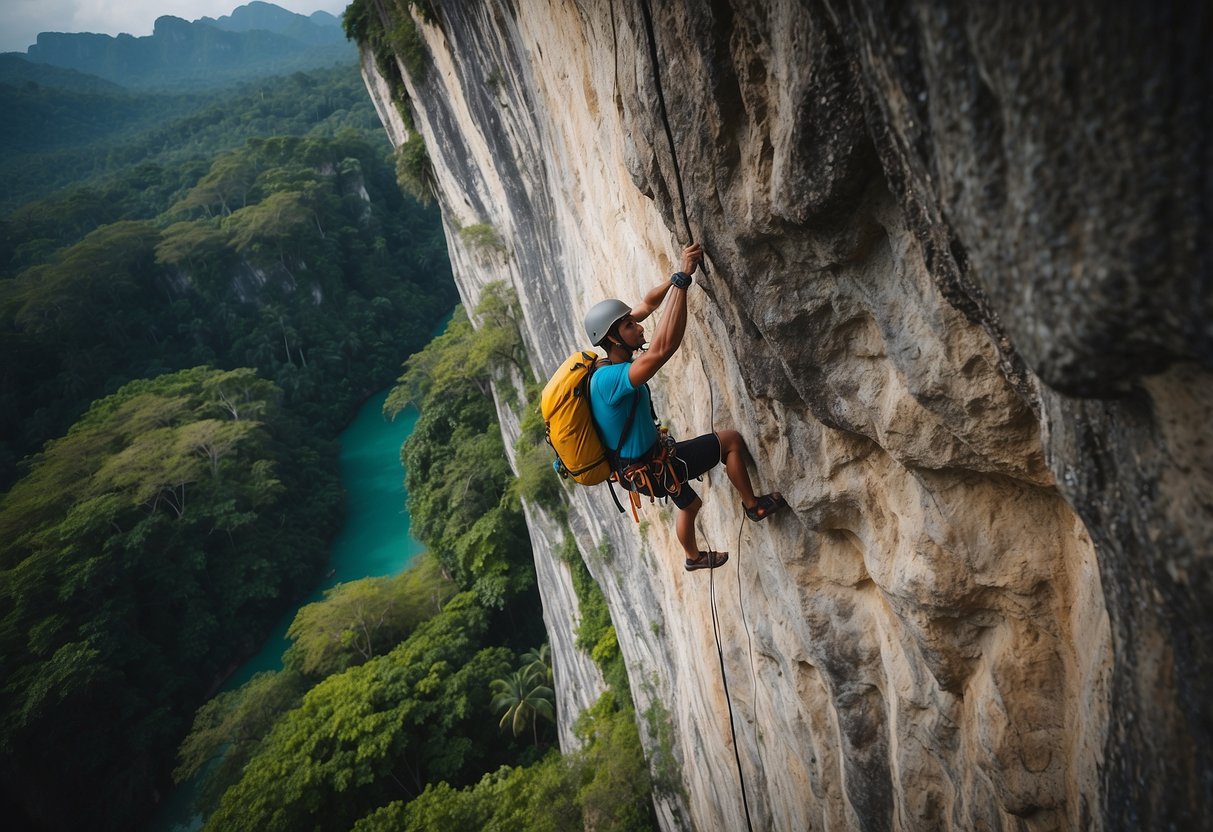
(614, 496)
(627, 426)
(613, 456)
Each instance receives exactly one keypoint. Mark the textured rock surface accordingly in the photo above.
(959, 305)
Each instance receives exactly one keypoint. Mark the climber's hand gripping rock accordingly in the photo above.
(692, 256)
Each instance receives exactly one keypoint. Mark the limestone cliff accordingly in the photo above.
(959, 305)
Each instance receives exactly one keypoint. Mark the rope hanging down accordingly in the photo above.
(749, 642)
(745, 800)
(665, 119)
(686, 222)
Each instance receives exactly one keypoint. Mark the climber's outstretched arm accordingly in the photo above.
(665, 343)
(670, 331)
(691, 255)
(651, 301)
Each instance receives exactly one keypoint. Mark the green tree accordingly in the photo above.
(498, 341)
(462, 498)
(154, 470)
(213, 440)
(616, 790)
(537, 664)
(604, 785)
(439, 807)
(240, 393)
(224, 189)
(103, 271)
(374, 732)
(273, 221)
(191, 245)
(359, 620)
(228, 730)
(521, 701)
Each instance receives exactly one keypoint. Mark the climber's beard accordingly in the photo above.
(635, 348)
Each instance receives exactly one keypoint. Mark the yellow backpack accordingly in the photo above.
(565, 405)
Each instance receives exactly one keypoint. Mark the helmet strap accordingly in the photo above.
(615, 341)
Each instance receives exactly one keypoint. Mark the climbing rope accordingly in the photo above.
(615, 49)
(748, 640)
(655, 58)
(665, 118)
(741, 608)
(745, 801)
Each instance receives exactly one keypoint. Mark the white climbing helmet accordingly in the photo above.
(602, 316)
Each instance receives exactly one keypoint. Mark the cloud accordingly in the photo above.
(22, 20)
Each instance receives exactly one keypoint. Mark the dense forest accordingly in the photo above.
(294, 254)
(62, 127)
(144, 553)
(183, 332)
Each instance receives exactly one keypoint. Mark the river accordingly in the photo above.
(375, 541)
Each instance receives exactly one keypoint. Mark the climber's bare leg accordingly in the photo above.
(685, 527)
(733, 454)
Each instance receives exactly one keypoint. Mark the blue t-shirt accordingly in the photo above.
(611, 395)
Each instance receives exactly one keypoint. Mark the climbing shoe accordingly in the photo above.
(767, 505)
(707, 560)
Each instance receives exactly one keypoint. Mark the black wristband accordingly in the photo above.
(681, 279)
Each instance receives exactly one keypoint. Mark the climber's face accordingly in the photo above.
(631, 333)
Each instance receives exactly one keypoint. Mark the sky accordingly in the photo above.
(22, 20)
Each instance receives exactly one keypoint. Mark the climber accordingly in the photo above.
(648, 462)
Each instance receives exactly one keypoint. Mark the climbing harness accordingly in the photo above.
(661, 467)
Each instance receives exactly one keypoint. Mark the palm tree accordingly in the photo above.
(523, 700)
(537, 664)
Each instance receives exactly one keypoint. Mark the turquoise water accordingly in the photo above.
(375, 541)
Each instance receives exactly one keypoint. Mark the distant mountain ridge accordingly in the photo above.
(255, 40)
(318, 28)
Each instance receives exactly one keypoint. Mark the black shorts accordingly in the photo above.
(693, 458)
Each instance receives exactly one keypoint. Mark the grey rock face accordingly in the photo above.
(958, 303)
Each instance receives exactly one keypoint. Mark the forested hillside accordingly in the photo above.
(61, 127)
(143, 554)
(184, 328)
(295, 255)
(180, 340)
